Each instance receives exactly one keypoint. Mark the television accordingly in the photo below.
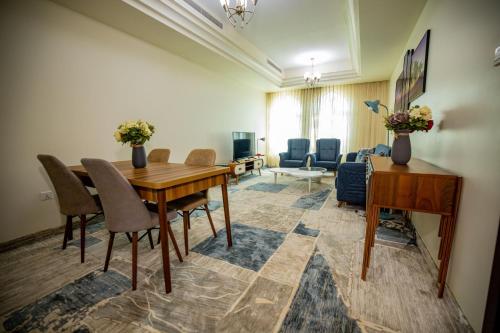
(243, 145)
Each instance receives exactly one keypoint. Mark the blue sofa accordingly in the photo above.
(351, 177)
(297, 154)
(327, 154)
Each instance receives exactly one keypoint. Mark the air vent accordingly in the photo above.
(274, 65)
(203, 12)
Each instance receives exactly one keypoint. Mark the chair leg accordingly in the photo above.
(83, 221)
(110, 247)
(172, 237)
(70, 233)
(159, 238)
(185, 220)
(134, 260)
(67, 231)
(210, 220)
(129, 237)
(150, 239)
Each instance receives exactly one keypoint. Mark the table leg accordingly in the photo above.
(162, 214)
(373, 231)
(443, 267)
(276, 178)
(226, 214)
(309, 181)
(367, 242)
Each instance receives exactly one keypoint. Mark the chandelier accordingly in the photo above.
(239, 12)
(312, 77)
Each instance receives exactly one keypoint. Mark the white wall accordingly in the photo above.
(67, 81)
(463, 90)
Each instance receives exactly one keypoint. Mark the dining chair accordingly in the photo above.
(74, 198)
(187, 205)
(159, 155)
(124, 209)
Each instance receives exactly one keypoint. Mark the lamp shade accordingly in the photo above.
(373, 105)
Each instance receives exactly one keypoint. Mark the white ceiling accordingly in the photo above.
(290, 32)
(352, 40)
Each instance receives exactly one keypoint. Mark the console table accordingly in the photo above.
(418, 186)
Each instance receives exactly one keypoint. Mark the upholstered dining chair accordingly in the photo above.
(193, 202)
(74, 198)
(124, 209)
(159, 155)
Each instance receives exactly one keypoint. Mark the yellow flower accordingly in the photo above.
(426, 113)
(118, 136)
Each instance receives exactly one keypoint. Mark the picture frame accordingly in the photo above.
(398, 96)
(418, 71)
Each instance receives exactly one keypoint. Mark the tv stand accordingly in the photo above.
(241, 166)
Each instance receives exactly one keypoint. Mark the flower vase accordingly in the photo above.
(138, 156)
(401, 147)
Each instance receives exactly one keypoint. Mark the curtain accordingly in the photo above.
(335, 111)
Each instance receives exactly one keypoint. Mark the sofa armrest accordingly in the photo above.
(351, 183)
(351, 157)
(314, 158)
(339, 159)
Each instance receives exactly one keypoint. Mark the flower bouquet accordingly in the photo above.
(135, 132)
(403, 123)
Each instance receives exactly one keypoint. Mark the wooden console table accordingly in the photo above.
(418, 186)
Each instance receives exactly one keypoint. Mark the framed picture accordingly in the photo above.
(398, 96)
(406, 80)
(418, 72)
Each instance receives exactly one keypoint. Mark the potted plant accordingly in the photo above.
(403, 123)
(135, 132)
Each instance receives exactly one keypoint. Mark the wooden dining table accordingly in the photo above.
(164, 182)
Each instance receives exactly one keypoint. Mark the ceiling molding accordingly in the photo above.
(184, 19)
(352, 17)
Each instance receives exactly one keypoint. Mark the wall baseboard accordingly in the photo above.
(42, 235)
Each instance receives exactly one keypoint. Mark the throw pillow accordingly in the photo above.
(363, 153)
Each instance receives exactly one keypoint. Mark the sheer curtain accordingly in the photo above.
(335, 111)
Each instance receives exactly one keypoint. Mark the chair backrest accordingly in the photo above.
(328, 149)
(201, 157)
(297, 148)
(382, 150)
(123, 208)
(74, 198)
(159, 155)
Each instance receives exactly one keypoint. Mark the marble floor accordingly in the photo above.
(294, 267)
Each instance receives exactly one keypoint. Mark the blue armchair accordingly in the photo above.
(351, 177)
(297, 154)
(327, 154)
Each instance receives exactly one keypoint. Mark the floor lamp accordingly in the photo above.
(374, 106)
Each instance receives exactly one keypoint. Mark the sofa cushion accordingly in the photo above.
(298, 148)
(363, 153)
(292, 163)
(327, 149)
(329, 165)
(382, 150)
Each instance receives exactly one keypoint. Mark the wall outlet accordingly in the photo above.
(46, 195)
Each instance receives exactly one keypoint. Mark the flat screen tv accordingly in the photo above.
(243, 145)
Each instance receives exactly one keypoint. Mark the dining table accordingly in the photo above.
(163, 182)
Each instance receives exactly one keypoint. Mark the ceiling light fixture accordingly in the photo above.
(239, 12)
(312, 77)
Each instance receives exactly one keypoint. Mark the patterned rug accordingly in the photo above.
(294, 267)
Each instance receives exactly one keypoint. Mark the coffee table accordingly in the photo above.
(308, 173)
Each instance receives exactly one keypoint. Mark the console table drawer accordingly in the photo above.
(419, 193)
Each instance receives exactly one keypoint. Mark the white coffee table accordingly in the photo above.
(308, 173)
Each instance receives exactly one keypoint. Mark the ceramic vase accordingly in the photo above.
(401, 147)
(138, 156)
